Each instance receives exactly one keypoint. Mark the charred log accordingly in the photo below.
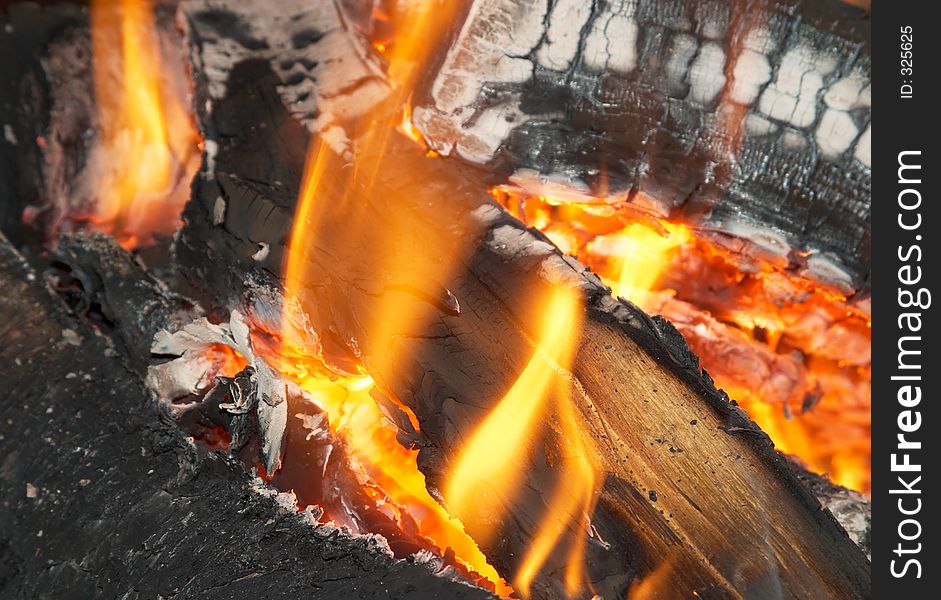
(26, 110)
(750, 120)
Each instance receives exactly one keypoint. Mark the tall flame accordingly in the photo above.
(494, 459)
(331, 198)
(146, 140)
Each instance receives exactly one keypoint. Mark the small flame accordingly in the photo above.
(645, 253)
(355, 417)
(494, 458)
(147, 142)
(655, 584)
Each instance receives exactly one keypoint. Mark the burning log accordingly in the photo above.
(689, 481)
(27, 33)
(102, 499)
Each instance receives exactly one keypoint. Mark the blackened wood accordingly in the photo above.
(100, 500)
(747, 119)
(108, 285)
(691, 483)
(26, 100)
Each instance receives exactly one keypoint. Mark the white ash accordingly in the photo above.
(751, 72)
(825, 269)
(707, 74)
(611, 44)
(491, 46)
(316, 424)
(553, 185)
(330, 73)
(218, 211)
(191, 370)
(863, 151)
(264, 249)
(562, 37)
(8, 134)
(311, 515)
(211, 150)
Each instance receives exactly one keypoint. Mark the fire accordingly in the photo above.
(355, 416)
(644, 254)
(655, 584)
(494, 459)
(147, 143)
(794, 355)
(330, 212)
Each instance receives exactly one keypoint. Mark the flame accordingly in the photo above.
(355, 417)
(494, 459)
(644, 254)
(330, 199)
(730, 315)
(573, 503)
(147, 142)
(654, 585)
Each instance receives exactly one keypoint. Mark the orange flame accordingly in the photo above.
(147, 141)
(644, 254)
(355, 417)
(655, 584)
(493, 460)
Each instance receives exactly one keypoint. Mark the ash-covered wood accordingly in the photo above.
(101, 500)
(692, 486)
(749, 119)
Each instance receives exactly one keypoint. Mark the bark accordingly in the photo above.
(26, 109)
(692, 487)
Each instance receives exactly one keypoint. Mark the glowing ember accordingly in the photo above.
(795, 355)
(147, 144)
(495, 456)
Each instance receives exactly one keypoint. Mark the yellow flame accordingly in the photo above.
(573, 502)
(147, 140)
(494, 453)
(644, 254)
(494, 459)
(833, 437)
(332, 198)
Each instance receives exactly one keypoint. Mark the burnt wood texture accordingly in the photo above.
(26, 33)
(692, 487)
(748, 119)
